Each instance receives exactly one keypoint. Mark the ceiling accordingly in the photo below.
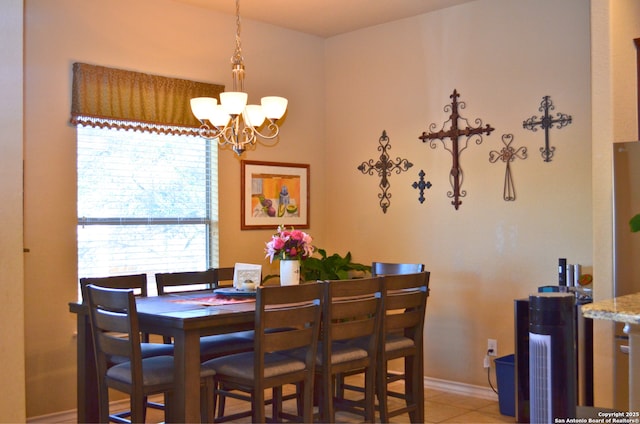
(326, 18)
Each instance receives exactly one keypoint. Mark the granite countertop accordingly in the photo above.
(620, 309)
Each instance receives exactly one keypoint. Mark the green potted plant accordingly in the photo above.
(334, 267)
(634, 223)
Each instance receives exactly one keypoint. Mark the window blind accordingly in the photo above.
(147, 202)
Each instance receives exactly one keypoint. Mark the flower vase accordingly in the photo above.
(289, 272)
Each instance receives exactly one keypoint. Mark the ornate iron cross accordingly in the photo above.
(454, 133)
(546, 122)
(508, 154)
(383, 168)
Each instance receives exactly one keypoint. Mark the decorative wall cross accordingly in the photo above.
(546, 122)
(421, 184)
(383, 167)
(508, 154)
(454, 133)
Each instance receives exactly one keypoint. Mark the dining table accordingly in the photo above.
(185, 317)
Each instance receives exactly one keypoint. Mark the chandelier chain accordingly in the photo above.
(237, 57)
(237, 61)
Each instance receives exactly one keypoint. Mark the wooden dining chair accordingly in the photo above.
(138, 283)
(294, 312)
(404, 304)
(390, 268)
(351, 313)
(378, 269)
(210, 279)
(115, 333)
(210, 346)
(224, 276)
(405, 300)
(168, 282)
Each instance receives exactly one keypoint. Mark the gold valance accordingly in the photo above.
(115, 98)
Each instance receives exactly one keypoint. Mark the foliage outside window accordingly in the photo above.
(146, 203)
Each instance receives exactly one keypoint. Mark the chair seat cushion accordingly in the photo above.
(157, 370)
(224, 344)
(148, 350)
(156, 349)
(392, 343)
(340, 353)
(397, 342)
(240, 365)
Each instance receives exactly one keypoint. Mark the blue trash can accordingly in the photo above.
(505, 375)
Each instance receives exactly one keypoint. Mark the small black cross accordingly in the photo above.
(546, 122)
(383, 168)
(421, 185)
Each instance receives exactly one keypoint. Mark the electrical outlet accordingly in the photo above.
(487, 361)
(492, 347)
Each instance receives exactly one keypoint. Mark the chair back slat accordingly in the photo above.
(180, 281)
(394, 322)
(387, 268)
(404, 299)
(292, 338)
(137, 282)
(349, 330)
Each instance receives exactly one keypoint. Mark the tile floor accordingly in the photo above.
(440, 407)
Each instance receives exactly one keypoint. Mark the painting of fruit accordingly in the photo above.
(274, 194)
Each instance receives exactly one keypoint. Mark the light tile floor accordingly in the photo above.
(440, 407)
(445, 407)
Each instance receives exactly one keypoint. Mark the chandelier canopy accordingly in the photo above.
(233, 122)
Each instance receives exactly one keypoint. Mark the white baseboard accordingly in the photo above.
(429, 383)
(460, 388)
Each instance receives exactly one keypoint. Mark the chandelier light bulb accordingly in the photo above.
(233, 102)
(253, 115)
(274, 107)
(218, 116)
(201, 107)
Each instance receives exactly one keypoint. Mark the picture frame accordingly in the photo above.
(273, 194)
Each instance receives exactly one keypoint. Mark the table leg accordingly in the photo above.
(187, 378)
(87, 379)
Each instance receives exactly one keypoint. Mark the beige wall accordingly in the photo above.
(614, 25)
(502, 56)
(12, 393)
(160, 37)
(398, 77)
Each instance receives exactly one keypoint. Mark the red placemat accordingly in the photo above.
(214, 300)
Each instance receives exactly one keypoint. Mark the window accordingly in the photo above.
(147, 203)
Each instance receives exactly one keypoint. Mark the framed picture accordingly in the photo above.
(272, 194)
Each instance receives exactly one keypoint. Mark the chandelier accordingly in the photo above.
(233, 122)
